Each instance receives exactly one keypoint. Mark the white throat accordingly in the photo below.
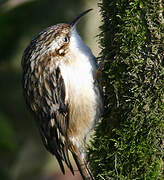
(78, 46)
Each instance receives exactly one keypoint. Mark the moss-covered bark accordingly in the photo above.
(128, 141)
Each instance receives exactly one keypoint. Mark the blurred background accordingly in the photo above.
(22, 155)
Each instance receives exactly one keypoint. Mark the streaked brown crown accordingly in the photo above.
(53, 40)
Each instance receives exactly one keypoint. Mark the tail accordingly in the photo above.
(83, 166)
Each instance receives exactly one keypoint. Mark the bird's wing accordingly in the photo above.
(44, 92)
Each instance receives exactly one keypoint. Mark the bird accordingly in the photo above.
(62, 90)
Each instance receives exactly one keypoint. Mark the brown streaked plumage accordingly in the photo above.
(60, 88)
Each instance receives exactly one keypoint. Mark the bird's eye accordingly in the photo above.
(65, 39)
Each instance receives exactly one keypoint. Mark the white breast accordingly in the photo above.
(79, 84)
(78, 73)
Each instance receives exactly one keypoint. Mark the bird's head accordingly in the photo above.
(59, 38)
(55, 41)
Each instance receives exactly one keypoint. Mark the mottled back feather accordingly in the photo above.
(44, 92)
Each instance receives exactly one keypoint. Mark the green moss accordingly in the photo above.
(128, 141)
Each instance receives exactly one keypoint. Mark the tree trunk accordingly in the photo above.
(128, 140)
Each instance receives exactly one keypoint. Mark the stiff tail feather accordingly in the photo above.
(83, 168)
(82, 164)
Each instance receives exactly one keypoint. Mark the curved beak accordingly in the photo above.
(76, 20)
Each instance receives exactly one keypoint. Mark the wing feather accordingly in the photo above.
(44, 91)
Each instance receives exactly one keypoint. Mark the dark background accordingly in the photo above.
(22, 155)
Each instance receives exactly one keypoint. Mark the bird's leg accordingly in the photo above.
(97, 74)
